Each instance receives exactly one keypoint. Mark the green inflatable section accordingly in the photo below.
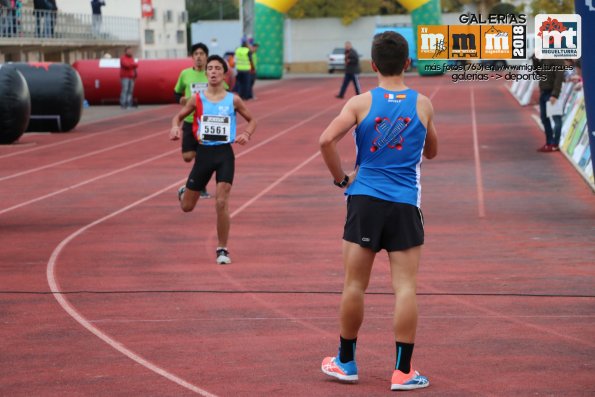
(269, 16)
(427, 14)
(268, 33)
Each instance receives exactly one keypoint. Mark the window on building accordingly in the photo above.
(149, 36)
(168, 16)
(180, 35)
(154, 16)
(183, 17)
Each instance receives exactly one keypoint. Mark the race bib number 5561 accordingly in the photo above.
(215, 128)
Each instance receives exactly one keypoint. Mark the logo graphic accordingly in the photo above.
(558, 36)
(395, 98)
(590, 4)
(464, 41)
(390, 134)
(432, 42)
(472, 42)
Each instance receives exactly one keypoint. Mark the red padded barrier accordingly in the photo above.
(154, 85)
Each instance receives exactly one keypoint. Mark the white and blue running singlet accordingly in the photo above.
(389, 143)
(214, 123)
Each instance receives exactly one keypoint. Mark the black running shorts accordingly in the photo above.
(189, 142)
(379, 224)
(216, 158)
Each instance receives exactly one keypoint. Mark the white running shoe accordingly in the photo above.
(223, 256)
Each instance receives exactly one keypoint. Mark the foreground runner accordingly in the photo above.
(215, 129)
(394, 128)
(190, 82)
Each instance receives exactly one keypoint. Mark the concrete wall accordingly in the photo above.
(308, 42)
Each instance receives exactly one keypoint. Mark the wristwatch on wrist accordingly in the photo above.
(343, 183)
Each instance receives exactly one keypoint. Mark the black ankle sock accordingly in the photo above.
(347, 350)
(404, 353)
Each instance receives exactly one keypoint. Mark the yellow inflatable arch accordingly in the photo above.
(268, 30)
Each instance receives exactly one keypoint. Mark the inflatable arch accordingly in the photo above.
(268, 30)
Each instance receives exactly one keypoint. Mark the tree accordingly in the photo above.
(201, 10)
(552, 7)
(504, 8)
(347, 10)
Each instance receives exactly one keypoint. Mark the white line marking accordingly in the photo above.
(127, 126)
(55, 288)
(77, 185)
(478, 176)
(333, 318)
(68, 308)
(88, 154)
(274, 184)
(89, 135)
(433, 94)
(14, 207)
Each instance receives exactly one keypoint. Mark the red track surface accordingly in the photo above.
(506, 285)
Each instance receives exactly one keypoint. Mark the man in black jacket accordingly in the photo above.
(551, 75)
(352, 70)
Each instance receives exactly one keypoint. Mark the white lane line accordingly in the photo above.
(478, 175)
(127, 126)
(86, 182)
(274, 184)
(68, 308)
(87, 136)
(14, 207)
(82, 156)
(132, 141)
(55, 288)
(334, 318)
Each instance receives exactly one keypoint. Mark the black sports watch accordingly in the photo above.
(343, 183)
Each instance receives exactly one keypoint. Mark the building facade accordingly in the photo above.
(73, 33)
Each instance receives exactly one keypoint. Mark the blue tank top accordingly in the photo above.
(389, 143)
(223, 114)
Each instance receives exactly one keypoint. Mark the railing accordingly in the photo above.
(57, 27)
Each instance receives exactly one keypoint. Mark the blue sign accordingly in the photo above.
(586, 9)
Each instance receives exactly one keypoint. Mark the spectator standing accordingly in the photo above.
(253, 71)
(10, 28)
(50, 19)
(5, 7)
(243, 61)
(96, 17)
(128, 73)
(40, 10)
(352, 70)
(551, 75)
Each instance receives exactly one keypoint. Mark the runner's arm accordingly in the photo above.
(180, 98)
(241, 108)
(189, 107)
(335, 131)
(426, 115)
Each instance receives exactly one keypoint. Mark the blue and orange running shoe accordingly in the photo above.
(346, 372)
(410, 381)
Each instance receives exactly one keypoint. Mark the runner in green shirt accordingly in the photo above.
(190, 82)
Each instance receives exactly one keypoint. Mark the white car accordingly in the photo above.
(336, 60)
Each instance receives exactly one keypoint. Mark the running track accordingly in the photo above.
(108, 289)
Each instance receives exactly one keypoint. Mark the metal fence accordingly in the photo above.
(65, 27)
